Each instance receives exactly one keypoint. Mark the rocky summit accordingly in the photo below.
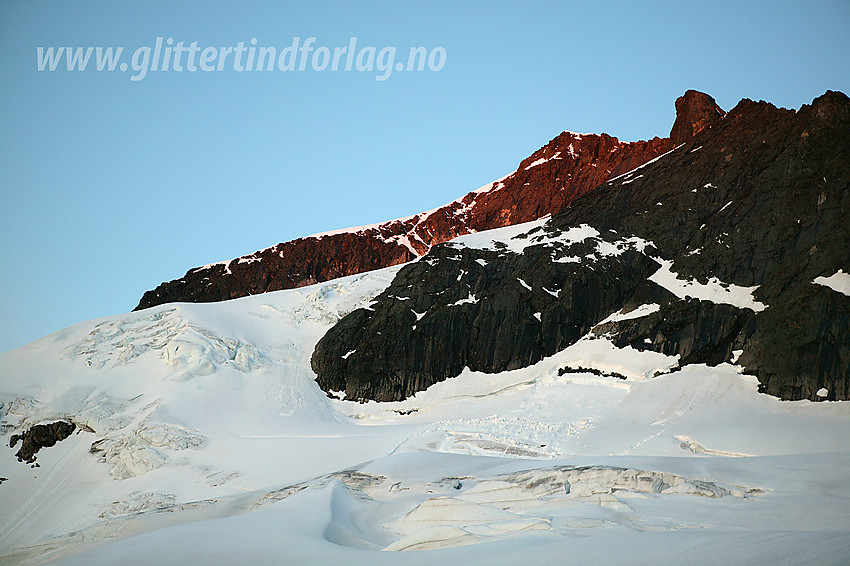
(552, 177)
(732, 246)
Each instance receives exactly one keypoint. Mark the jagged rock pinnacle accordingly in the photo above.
(694, 112)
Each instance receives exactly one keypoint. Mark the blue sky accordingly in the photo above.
(110, 186)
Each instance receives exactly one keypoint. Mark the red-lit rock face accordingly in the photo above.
(550, 179)
(694, 112)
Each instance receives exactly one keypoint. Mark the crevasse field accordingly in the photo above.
(203, 438)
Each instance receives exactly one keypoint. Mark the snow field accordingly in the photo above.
(212, 442)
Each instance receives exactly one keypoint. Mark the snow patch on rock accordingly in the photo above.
(715, 290)
(838, 281)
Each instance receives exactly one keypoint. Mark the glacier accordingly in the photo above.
(202, 436)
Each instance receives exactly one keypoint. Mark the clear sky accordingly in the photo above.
(109, 186)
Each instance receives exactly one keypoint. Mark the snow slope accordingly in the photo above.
(212, 443)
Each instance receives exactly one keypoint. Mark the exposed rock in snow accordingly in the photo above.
(38, 437)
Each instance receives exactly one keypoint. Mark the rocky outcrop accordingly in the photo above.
(38, 437)
(488, 310)
(725, 236)
(695, 111)
(554, 176)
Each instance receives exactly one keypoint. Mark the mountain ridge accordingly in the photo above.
(567, 167)
(599, 371)
(726, 235)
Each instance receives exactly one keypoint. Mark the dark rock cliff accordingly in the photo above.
(566, 168)
(753, 205)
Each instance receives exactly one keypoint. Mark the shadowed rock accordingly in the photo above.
(758, 200)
